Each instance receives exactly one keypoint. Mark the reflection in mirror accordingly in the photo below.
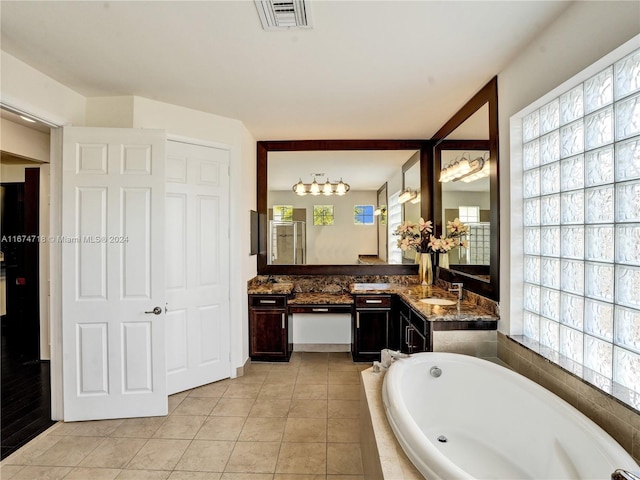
(328, 227)
(470, 195)
(468, 199)
(411, 188)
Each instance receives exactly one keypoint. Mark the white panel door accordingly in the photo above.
(197, 265)
(113, 273)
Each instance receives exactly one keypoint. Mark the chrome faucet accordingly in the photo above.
(457, 288)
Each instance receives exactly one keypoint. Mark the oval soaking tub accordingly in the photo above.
(461, 417)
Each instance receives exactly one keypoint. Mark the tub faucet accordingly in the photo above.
(456, 288)
(387, 357)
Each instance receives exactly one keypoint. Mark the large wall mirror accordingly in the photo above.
(471, 136)
(338, 234)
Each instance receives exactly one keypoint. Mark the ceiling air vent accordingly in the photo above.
(284, 14)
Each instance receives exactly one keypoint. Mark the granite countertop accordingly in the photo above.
(433, 313)
(280, 288)
(321, 299)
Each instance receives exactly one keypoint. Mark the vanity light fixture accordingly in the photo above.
(407, 195)
(379, 211)
(465, 169)
(315, 188)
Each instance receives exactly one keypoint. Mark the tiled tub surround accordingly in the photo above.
(618, 419)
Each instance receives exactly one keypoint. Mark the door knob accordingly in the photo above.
(155, 311)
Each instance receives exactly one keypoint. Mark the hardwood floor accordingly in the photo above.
(25, 398)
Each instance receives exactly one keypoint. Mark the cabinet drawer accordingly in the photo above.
(268, 301)
(373, 301)
(319, 308)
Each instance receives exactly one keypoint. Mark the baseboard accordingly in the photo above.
(244, 369)
(321, 347)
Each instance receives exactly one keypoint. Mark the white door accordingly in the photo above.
(197, 265)
(113, 273)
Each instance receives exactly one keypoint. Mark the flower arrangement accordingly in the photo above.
(418, 236)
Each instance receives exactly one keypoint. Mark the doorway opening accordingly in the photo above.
(26, 386)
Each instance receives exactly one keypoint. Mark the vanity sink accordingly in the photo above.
(370, 286)
(437, 301)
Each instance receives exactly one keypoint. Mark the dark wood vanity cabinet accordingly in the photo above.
(415, 331)
(269, 338)
(371, 325)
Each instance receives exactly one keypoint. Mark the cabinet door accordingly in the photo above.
(371, 332)
(267, 329)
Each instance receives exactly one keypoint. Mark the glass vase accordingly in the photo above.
(443, 260)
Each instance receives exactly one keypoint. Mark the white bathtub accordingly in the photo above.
(497, 424)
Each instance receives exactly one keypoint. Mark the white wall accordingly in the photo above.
(31, 91)
(24, 142)
(585, 32)
(342, 242)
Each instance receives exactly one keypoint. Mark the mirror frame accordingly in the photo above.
(488, 94)
(264, 147)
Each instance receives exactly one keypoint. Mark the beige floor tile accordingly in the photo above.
(298, 476)
(344, 408)
(251, 377)
(233, 407)
(42, 473)
(159, 454)
(304, 430)
(340, 357)
(313, 378)
(143, 427)
(310, 392)
(242, 390)
(221, 428)
(143, 475)
(95, 428)
(344, 392)
(343, 430)
(345, 477)
(8, 471)
(174, 402)
(206, 456)
(180, 426)
(302, 458)
(68, 452)
(308, 408)
(254, 457)
(279, 377)
(196, 406)
(260, 367)
(176, 475)
(314, 357)
(268, 407)
(343, 367)
(276, 391)
(84, 473)
(216, 389)
(246, 476)
(262, 429)
(338, 377)
(31, 450)
(344, 458)
(113, 453)
(311, 368)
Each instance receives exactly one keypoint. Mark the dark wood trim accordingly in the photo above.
(487, 95)
(263, 149)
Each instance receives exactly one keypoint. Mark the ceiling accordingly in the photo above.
(367, 69)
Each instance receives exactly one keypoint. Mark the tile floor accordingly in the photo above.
(294, 421)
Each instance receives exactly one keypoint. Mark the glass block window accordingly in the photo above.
(283, 213)
(363, 214)
(322, 215)
(581, 210)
